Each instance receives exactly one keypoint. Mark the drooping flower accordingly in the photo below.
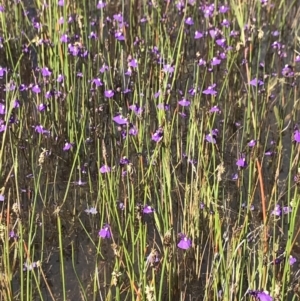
(168, 68)
(198, 35)
(276, 211)
(2, 198)
(36, 89)
(184, 243)
(189, 21)
(105, 231)
(297, 136)
(215, 109)
(46, 72)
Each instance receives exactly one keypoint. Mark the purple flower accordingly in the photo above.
(2, 109)
(292, 260)
(2, 198)
(264, 296)
(297, 136)
(252, 143)
(91, 210)
(215, 109)
(64, 38)
(225, 23)
(3, 71)
(46, 72)
(101, 4)
(189, 21)
(67, 146)
(29, 266)
(211, 138)
(119, 119)
(36, 89)
(148, 209)
(104, 169)
(97, 82)
(133, 131)
(168, 68)
(184, 243)
(109, 93)
(256, 82)
(105, 231)
(158, 135)
(133, 63)
(241, 162)
(103, 68)
(276, 211)
(41, 130)
(198, 35)
(60, 78)
(184, 102)
(163, 106)
(42, 107)
(215, 61)
(136, 109)
(210, 90)
(119, 36)
(223, 9)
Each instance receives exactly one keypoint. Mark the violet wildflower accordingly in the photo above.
(184, 243)
(41, 130)
(109, 93)
(91, 210)
(215, 109)
(119, 36)
(42, 107)
(163, 106)
(46, 72)
(241, 162)
(292, 260)
(136, 109)
(133, 131)
(184, 102)
(256, 82)
(198, 35)
(60, 78)
(119, 119)
(104, 169)
(3, 71)
(158, 135)
(148, 209)
(252, 143)
(2, 109)
(67, 146)
(211, 137)
(210, 90)
(97, 82)
(36, 89)
(189, 21)
(133, 63)
(223, 9)
(168, 68)
(105, 231)
(101, 4)
(103, 68)
(263, 296)
(215, 61)
(2, 198)
(276, 211)
(286, 209)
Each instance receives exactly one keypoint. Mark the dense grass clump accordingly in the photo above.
(149, 150)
